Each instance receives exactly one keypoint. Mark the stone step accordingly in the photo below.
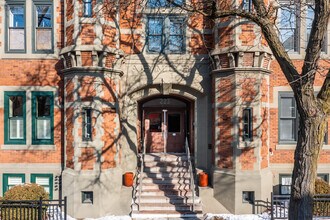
(166, 175)
(168, 180)
(164, 186)
(166, 170)
(166, 163)
(169, 199)
(168, 192)
(165, 207)
(161, 215)
(165, 157)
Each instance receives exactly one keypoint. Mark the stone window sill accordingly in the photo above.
(27, 147)
(293, 147)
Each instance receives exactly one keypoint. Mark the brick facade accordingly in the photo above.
(103, 63)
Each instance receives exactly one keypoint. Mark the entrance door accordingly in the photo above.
(164, 131)
(176, 131)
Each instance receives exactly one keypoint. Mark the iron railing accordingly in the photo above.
(141, 174)
(192, 182)
(33, 209)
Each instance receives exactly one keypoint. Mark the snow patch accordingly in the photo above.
(263, 216)
(111, 217)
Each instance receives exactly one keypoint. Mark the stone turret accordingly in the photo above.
(240, 81)
(92, 90)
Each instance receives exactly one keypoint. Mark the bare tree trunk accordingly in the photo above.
(312, 127)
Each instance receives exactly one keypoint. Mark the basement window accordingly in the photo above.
(87, 197)
(248, 197)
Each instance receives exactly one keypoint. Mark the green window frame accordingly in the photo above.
(11, 115)
(42, 117)
(43, 27)
(34, 179)
(15, 30)
(5, 178)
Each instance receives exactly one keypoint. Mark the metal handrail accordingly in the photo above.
(192, 184)
(141, 174)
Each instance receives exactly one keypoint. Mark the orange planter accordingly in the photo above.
(128, 179)
(203, 179)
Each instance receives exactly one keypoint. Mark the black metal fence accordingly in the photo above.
(34, 210)
(278, 207)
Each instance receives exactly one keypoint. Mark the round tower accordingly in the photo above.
(240, 81)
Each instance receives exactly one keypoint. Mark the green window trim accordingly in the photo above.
(7, 138)
(35, 139)
(5, 178)
(7, 26)
(35, 28)
(49, 176)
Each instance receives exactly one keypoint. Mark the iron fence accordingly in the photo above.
(278, 207)
(33, 209)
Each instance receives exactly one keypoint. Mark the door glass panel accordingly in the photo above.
(155, 122)
(174, 123)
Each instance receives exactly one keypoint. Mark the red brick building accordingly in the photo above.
(84, 84)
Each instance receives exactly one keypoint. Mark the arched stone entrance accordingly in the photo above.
(166, 123)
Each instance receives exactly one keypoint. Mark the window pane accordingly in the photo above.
(88, 8)
(287, 129)
(155, 122)
(176, 43)
(43, 39)
(174, 123)
(43, 106)
(286, 180)
(176, 28)
(16, 16)
(15, 180)
(44, 16)
(87, 124)
(155, 26)
(178, 2)
(16, 39)
(42, 181)
(288, 107)
(288, 38)
(43, 129)
(155, 43)
(157, 3)
(16, 128)
(285, 189)
(287, 27)
(15, 106)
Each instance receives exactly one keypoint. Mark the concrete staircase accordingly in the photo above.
(166, 192)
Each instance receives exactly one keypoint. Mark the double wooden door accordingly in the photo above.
(164, 130)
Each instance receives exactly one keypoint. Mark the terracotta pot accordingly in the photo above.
(128, 179)
(203, 179)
